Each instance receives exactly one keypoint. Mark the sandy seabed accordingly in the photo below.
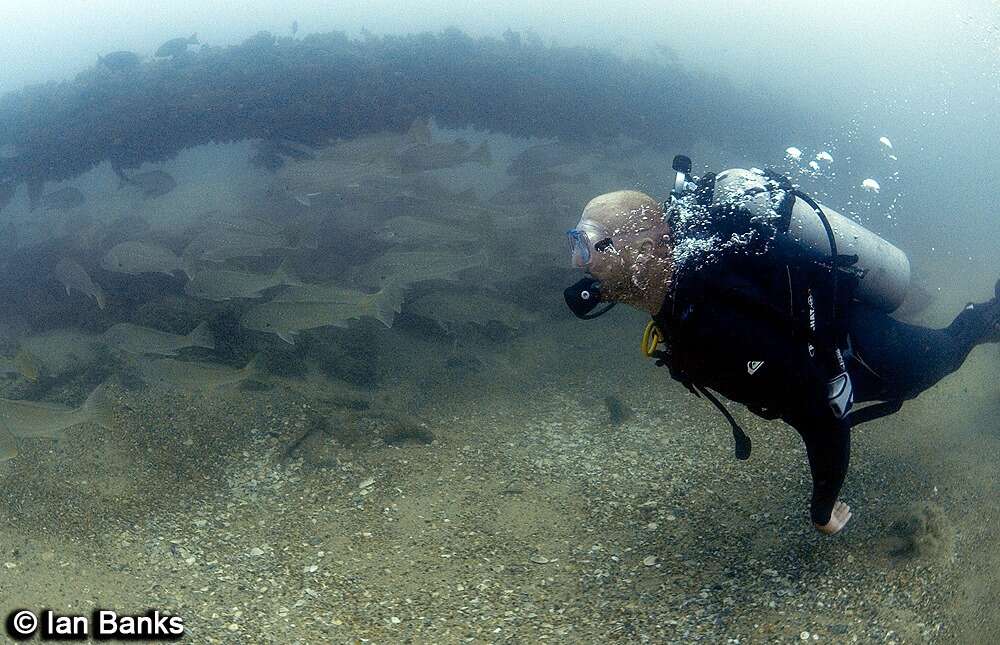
(508, 510)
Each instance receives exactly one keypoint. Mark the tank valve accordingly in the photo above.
(682, 166)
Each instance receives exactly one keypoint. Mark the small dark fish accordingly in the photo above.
(176, 47)
(120, 61)
(618, 411)
(295, 27)
(153, 183)
(62, 199)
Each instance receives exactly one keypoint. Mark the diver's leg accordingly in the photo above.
(909, 359)
(828, 448)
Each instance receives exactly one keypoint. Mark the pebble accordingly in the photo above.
(649, 560)
(256, 551)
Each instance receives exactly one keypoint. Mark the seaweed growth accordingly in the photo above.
(326, 86)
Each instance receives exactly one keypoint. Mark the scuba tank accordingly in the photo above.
(883, 270)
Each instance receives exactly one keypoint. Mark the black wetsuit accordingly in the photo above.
(736, 327)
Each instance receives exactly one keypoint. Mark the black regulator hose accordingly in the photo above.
(834, 266)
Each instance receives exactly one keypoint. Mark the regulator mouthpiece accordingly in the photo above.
(585, 296)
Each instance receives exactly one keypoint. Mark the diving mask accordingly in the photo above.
(579, 247)
(584, 240)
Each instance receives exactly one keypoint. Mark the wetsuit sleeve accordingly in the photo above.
(828, 446)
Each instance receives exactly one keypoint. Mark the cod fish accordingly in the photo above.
(380, 148)
(140, 257)
(411, 231)
(136, 339)
(152, 184)
(456, 308)
(248, 224)
(410, 267)
(34, 419)
(221, 244)
(62, 350)
(120, 61)
(286, 319)
(544, 157)
(75, 278)
(223, 284)
(176, 47)
(434, 156)
(303, 181)
(191, 375)
(62, 199)
(318, 293)
(23, 363)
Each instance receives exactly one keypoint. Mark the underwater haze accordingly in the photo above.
(284, 350)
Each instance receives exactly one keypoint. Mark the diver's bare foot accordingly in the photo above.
(838, 518)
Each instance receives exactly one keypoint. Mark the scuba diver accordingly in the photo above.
(777, 302)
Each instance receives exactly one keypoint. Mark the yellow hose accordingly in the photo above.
(651, 338)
